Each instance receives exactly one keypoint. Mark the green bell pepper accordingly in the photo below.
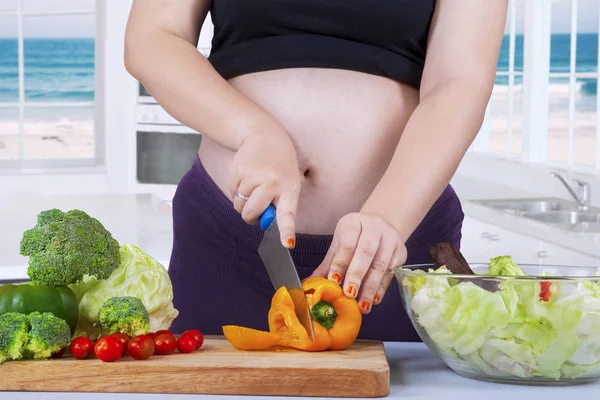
(27, 298)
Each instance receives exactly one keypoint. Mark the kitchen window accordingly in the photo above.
(545, 106)
(505, 109)
(50, 105)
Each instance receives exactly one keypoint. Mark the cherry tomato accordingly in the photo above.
(59, 353)
(81, 347)
(545, 291)
(141, 347)
(165, 344)
(164, 331)
(186, 344)
(108, 348)
(124, 340)
(197, 335)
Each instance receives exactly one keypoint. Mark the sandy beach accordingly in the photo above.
(584, 142)
(57, 139)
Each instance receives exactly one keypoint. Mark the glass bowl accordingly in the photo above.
(542, 328)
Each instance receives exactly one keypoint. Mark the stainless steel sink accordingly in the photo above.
(555, 212)
(575, 216)
(576, 221)
(539, 205)
(518, 206)
(564, 217)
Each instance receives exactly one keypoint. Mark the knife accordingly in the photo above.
(281, 268)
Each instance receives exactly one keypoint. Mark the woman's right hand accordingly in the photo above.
(265, 168)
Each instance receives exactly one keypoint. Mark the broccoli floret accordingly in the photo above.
(63, 247)
(13, 335)
(47, 335)
(36, 335)
(125, 314)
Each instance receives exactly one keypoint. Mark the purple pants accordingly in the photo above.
(219, 279)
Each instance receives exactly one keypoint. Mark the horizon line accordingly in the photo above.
(94, 37)
(49, 37)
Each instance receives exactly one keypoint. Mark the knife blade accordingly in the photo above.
(281, 268)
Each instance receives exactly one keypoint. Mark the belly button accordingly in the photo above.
(306, 173)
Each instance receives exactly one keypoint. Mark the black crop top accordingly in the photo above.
(381, 37)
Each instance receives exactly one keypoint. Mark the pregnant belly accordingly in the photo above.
(346, 126)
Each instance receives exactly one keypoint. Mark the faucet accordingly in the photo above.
(583, 197)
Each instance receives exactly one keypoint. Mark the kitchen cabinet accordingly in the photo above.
(483, 240)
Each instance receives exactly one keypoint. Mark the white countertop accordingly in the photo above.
(415, 374)
(145, 220)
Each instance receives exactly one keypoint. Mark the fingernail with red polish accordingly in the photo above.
(377, 299)
(365, 305)
(290, 242)
(337, 278)
(351, 290)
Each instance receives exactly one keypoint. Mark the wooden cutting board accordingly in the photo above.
(361, 370)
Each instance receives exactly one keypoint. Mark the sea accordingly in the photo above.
(56, 70)
(59, 70)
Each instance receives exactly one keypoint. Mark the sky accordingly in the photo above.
(49, 26)
(83, 26)
(587, 15)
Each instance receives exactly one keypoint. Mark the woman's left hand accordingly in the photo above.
(364, 254)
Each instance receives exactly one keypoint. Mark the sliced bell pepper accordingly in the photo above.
(27, 298)
(284, 322)
(336, 318)
(336, 321)
(248, 338)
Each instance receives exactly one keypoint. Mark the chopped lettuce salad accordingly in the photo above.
(525, 329)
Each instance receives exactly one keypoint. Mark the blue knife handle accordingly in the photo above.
(267, 217)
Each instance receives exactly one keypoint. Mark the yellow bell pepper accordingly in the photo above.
(336, 320)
